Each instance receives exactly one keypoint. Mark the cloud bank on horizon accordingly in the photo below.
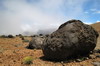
(18, 16)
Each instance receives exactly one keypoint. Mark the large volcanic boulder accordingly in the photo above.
(72, 38)
(36, 43)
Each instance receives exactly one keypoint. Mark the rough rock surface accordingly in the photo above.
(36, 43)
(72, 38)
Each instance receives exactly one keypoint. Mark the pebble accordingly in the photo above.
(96, 63)
(78, 60)
(92, 56)
(98, 56)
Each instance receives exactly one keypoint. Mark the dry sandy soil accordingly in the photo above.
(12, 52)
(96, 26)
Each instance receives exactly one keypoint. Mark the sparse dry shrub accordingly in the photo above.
(25, 40)
(35, 35)
(20, 34)
(22, 37)
(27, 60)
(40, 34)
(10, 36)
(3, 36)
(47, 35)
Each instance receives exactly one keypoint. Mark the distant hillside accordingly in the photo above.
(96, 26)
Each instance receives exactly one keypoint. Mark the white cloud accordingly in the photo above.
(89, 23)
(95, 11)
(26, 27)
(86, 12)
(98, 21)
(98, 12)
(20, 15)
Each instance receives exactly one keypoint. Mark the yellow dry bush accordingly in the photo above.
(27, 60)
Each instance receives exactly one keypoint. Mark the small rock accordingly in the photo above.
(98, 56)
(86, 58)
(92, 56)
(79, 60)
(0, 62)
(36, 43)
(62, 62)
(96, 63)
(14, 60)
(97, 51)
(91, 52)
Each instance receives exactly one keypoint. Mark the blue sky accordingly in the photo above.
(18, 16)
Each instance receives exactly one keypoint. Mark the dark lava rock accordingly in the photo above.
(36, 43)
(72, 38)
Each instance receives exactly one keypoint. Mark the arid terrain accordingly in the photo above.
(13, 50)
(96, 26)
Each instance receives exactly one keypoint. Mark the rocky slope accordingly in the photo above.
(96, 26)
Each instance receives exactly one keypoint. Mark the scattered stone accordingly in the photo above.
(62, 62)
(82, 59)
(86, 58)
(36, 43)
(22, 37)
(79, 60)
(47, 35)
(72, 38)
(96, 63)
(98, 56)
(18, 45)
(26, 40)
(91, 52)
(97, 51)
(92, 56)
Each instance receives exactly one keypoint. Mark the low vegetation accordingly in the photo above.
(40, 34)
(27, 60)
(22, 37)
(25, 40)
(3, 36)
(10, 36)
(47, 35)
